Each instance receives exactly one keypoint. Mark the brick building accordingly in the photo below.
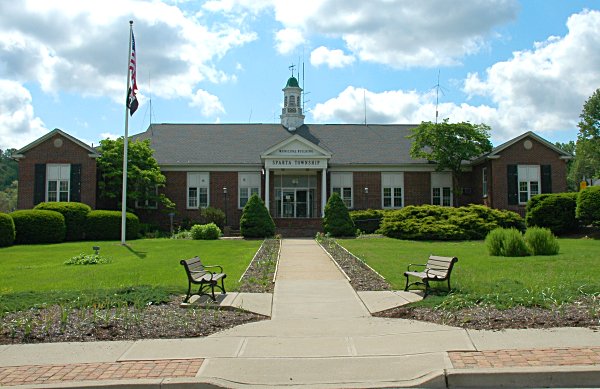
(294, 167)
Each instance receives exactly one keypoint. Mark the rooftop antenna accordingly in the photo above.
(438, 89)
(365, 104)
(250, 117)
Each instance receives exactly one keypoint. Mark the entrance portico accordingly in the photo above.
(297, 166)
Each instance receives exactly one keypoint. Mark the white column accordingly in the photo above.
(267, 189)
(323, 191)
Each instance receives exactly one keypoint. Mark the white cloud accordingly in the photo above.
(18, 124)
(332, 58)
(288, 39)
(81, 46)
(108, 135)
(210, 105)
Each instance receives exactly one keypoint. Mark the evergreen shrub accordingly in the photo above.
(337, 221)
(208, 231)
(555, 211)
(7, 230)
(541, 241)
(74, 213)
(494, 242)
(213, 215)
(106, 225)
(588, 206)
(367, 221)
(506, 242)
(432, 222)
(38, 226)
(256, 222)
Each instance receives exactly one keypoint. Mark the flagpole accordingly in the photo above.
(126, 140)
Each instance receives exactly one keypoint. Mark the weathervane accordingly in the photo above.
(291, 67)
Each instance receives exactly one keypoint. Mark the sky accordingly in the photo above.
(514, 65)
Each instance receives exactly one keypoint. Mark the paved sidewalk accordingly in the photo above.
(321, 335)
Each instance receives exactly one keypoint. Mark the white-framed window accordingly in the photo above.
(484, 182)
(341, 183)
(392, 190)
(197, 190)
(529, 182)
(441, 188)
(148, 204)
(58, 177)
(248, 184)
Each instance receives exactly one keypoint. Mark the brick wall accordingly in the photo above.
(45, 153)
(517, 155)
(417, 188)
(371, 180)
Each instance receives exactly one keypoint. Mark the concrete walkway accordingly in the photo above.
(321, 335)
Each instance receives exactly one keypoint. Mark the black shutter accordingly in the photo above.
(546, 179)
(75, 182)
(513, 184)
(39, 184)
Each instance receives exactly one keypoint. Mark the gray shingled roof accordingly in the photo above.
(207, 144)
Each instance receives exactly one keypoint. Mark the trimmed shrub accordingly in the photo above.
(256, 222)
(541, 241)
(588, 206)
(208, 231)
(213, 215)
(87, 259)
(555, 211)
(74, 214)
(432, 222)
(38, 226)
(106, 225)
(367, 221)
(7, 230)
(506, 242)
(337, 221)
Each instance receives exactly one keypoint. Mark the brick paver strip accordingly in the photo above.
(525, 358)
(42, 374)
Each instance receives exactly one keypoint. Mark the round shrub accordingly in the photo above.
(256, 222)
(106, 225)
(541, 241)
(337, 221)
(555, 211)
(514, 244)
(74, 213)
(213, 215)
(208, 231)
(494, 242)
(38, 226)
(368, 221)
(7, 230)
(588, 206)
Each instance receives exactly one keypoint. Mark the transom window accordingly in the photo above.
(529, 182)
(392, 188)
(197, 190)
(341, 183)
(58, 178)
(248, 185)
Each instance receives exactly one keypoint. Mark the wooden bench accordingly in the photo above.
(198, 275)
(436, 269)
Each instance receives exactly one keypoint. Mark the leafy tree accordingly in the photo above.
(337, 220)
(9, 168)
(587, 151)
(8, 198)
(449, 145)
(570, 147)
(143, 173)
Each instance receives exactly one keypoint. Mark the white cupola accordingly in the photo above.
(291, 113)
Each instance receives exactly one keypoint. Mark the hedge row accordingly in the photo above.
(54, 226)
(432, 222)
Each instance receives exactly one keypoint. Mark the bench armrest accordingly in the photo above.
(415, 264)
(213, 266)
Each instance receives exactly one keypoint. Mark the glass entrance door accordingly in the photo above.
(302, 203)
(295, 196)
(288, 203)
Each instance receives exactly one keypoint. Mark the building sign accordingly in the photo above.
(295, 149)
(296, 163)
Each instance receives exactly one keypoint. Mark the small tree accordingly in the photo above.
(588, 206)
(143, 173)
(450, 145)
(337, 220)
(256, 222)
(587, 150)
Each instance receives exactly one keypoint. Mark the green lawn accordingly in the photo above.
(145, 269)
(480, 278)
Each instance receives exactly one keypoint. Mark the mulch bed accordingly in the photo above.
(62, 324)
(582, 313)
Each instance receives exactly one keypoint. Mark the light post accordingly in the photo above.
(366, 190)
(225, 194)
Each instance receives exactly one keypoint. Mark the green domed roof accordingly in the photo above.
(292, 82)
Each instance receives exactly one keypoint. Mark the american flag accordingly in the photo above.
(132, 102)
